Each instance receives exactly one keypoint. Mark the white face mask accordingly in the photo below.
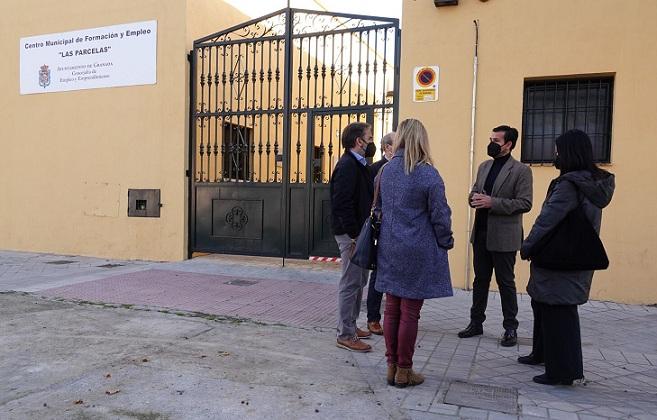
(387, 152)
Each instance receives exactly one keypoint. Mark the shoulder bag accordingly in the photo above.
(572, 245)
(364, 254)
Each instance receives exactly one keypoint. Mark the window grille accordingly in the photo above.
(236, 148)
(554, 106)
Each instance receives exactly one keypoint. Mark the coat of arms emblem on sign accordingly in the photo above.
(44, 76)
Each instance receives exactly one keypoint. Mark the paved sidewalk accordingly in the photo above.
(31, 272)
(469, 378)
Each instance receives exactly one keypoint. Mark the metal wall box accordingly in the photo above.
(439, 3)
(144, 203)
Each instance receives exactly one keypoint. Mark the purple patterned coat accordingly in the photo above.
(415, 233)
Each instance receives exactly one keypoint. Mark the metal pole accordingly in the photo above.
(191, 192)
(287, 121)
(395, 107)
(475, 66)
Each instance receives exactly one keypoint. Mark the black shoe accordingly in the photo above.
(529, 360)
(509, 339)
(471, 331)
(545, 380)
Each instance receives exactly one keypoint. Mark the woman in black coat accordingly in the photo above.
(556, 293)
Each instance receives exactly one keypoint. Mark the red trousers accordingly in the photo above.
(400, 329)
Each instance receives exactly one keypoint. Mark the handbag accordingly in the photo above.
(365, 249)
(572, 245)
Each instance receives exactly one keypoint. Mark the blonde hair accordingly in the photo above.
(413, 138)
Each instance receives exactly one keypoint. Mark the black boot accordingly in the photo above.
(509, 339)
(471, 331)
(545, 380)
(530, 359)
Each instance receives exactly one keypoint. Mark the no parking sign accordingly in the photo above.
(425, 83)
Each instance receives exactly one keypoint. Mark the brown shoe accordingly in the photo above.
(390, 376)
(363, 335)
(375, 327)
(353, 344)
(406, 377)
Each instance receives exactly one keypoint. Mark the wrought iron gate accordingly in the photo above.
(269, 99)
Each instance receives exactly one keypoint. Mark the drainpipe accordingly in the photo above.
(475, 66)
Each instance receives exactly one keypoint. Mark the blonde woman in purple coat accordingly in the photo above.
(415, 235)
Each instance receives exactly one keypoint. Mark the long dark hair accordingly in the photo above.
(575, 153)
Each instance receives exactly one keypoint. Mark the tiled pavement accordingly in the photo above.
(274, 301)
(32, 272)
(619, 341)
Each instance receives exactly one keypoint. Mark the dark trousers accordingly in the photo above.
(373, 300)
(400, 329)
(484, 263)
(557, 340)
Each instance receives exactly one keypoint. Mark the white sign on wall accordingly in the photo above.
(118, 55)
(425, 83)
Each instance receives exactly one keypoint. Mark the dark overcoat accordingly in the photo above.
(556, 287)
(351, 190)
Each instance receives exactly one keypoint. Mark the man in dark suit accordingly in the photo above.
(351, 200)
(373, 296)
(501, 194)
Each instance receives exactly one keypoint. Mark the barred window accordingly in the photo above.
(237, 149)
(552, 107)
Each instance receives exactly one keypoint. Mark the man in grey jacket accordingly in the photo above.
(501, 194)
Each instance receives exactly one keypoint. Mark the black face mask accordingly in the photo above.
(494, 149)
(557, 162)
(370, 150)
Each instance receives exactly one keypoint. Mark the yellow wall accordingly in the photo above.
(532, 38)
(69, 158)
(205, 17)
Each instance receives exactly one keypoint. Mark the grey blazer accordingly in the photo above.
(512, 196)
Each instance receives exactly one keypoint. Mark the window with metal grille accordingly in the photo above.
(552, 107)
(237, 150)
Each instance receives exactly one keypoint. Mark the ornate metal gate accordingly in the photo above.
(269, 99)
